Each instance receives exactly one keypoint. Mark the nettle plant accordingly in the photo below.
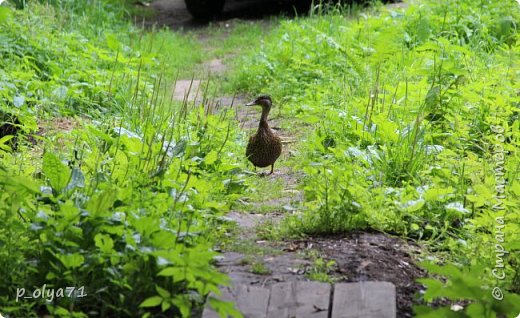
(125, 204)
(127, 214)
(456, 283)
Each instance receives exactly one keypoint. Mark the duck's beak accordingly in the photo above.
(251, 103)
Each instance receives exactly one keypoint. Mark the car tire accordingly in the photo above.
(204, 9)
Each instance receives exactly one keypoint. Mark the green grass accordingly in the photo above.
(260, 269)
(397, 110)
(177, 54)
(238, 37)
(398, 115)
(320, 269)
(260, 191)
(250, 248)
(125, 202)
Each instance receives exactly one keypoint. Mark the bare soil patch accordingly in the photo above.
(358, 256)
(373, 257)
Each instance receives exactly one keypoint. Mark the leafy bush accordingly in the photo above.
(465, 284)
(79, 68)
(116, 223)
(123, 204)
(400, 108)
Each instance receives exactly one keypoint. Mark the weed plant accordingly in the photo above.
(124, 203)
(400, 110)
(406, 109)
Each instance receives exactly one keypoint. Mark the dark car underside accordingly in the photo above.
(207, 9)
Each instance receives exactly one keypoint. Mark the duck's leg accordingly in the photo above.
(272, 168)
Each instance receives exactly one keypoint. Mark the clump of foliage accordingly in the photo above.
(56, 60)
(457, 284)
(404, 106)
(124, 203)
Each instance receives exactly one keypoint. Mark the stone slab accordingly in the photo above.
(364, 300)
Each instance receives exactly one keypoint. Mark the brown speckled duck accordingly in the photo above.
(264, 147)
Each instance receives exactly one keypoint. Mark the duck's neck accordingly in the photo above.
(263, 118)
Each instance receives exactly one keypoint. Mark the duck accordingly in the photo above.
(264, 147)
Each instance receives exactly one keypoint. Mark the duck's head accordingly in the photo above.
(264, 101)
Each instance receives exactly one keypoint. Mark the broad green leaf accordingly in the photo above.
(17, 183)
(69, 211)
(183, 304)
(162, 292)
(423, 30)
(61, 312)
(56, 171)
(101, 203)
(211, 157)
(169, 271)
(146, 225)
(165, 305)
(413, 205)
(477, 309)
(104, 243)
(151, 302)
(476, 199)
(434, 288)
(515, 187)
(514, 245)
(177, 274)
(438, 194)
(71, 261)
(3, 142)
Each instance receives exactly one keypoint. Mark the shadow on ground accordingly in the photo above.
(173, 13)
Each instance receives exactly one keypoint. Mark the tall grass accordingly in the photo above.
(400, 105)
(124, 203)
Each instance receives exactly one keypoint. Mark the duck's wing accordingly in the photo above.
(251, 145)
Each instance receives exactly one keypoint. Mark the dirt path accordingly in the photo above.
(251, 255)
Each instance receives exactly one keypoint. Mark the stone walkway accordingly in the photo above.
(285, 292)
(312, 300)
